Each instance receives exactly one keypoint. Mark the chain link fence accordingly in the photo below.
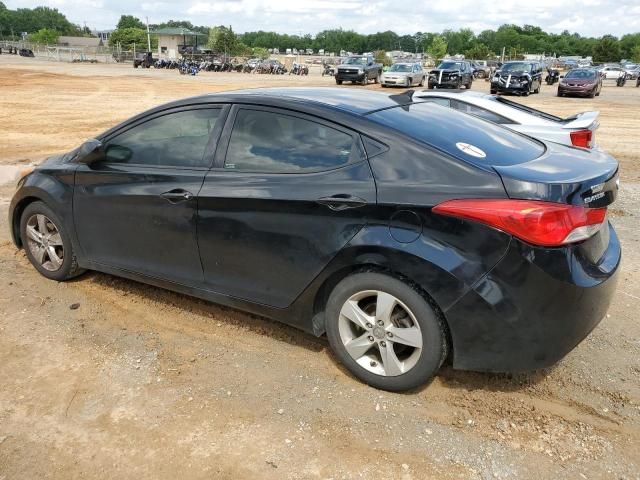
(70, 54)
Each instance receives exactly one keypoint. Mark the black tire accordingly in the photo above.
(364, 80)
(338, 82)
(69, 268)
(434, 338)
(537, 90)
(375, 79)
(493, 92)
(468, 86)
(421, 84)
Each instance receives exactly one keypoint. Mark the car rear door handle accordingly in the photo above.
(342, 201)
(177, 195)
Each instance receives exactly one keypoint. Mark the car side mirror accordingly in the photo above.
(90, 151)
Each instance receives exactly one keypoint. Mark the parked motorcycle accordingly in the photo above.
(328, 70)
(553, 76)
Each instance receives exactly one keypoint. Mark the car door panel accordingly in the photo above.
(142, 217)
(265, 236)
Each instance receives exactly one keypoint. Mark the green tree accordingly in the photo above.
(44, 36)
(223, 40)
(635, 54)
(127, 37)
(259, 52)
(380, 56)
(479, 52)
(606, 50)
(628, 43)
(129, 21)
(438, 48)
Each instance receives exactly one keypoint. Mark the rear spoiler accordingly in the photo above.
(581, 121)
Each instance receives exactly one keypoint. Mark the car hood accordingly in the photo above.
(444, 70)
(578, 81)
(396, 74)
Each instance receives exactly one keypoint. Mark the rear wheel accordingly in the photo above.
(385, 332)
(47, 244)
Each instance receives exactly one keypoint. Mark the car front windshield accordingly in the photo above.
(582, 74)
(516, 68)
(400, 67)
(450, 66)
(355, 61)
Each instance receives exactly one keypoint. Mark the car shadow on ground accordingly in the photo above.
(207, 311)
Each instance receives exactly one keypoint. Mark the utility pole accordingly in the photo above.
(148, 37)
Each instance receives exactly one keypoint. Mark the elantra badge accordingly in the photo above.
(470, 150)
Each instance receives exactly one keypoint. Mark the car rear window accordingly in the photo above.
(460, 135)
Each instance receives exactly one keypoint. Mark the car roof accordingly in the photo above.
(356, 101)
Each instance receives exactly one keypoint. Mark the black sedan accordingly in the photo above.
(410, 233)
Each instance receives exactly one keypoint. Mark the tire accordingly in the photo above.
(338, 82)
(468, 86)
(38, 217)
(375, 79)
(421, 84)
(537, 90)
(493, 92)
(364, 80)
(412, 319)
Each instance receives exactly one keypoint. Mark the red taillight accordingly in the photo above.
(536, 222)
(581, 138)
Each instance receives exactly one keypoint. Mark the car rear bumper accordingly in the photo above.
(535, 305)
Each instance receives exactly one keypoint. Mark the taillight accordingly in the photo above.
(539, 223)
(581, 138)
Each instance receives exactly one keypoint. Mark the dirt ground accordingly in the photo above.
(138, 382)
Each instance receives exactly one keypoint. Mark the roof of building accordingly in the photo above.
(178, 31)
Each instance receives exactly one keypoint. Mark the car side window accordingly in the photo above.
(177, 139)
(478, 112)
(269, 142)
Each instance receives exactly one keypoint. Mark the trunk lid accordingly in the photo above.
(564, 175)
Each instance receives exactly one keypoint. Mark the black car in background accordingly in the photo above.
(451, 74)
(409, 232)
(520, 78)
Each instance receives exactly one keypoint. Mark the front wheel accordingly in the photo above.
(338, 82)
(385, 332)
(47, 243)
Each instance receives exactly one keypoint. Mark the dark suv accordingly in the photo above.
(520, 78)
(451, 74)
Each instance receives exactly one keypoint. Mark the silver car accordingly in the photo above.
(403, 75)
(577, 130)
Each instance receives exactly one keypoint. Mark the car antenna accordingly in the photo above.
(403, 98)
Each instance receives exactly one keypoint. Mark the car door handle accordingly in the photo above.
(342, 201)
(177, 195)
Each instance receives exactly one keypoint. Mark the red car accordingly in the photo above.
(581, 82)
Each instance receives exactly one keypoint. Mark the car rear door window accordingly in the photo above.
(265, 141)
(478, 111)
(177, 139)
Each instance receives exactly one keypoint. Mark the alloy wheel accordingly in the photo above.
(44, 242)
(380, 333)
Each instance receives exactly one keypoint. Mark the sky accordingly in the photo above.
(587, 17)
